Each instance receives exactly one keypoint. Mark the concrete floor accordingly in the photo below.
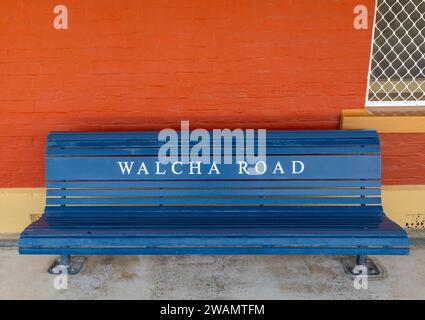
(210, 277)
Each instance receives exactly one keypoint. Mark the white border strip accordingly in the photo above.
(395, 104)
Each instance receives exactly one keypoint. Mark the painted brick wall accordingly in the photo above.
(403, 158)
(138, 65)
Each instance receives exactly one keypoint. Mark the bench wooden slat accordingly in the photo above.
(276, 183)
(214, 211)
(187, 225)
(153, 135)
(258, 250)
(159, 192)
(145, 151)
(152, 143)
(316, 167)
(233, 224)
(212, 201)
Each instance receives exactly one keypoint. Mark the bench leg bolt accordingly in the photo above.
(71, 265)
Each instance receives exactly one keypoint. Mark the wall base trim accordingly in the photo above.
(382, 122)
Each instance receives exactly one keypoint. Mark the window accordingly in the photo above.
(397, 64)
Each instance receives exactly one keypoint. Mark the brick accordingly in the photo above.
(132, 65)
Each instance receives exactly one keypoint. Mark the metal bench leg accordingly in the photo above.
(351, 267)
(65, 260)
(361, 260)
(71, 265)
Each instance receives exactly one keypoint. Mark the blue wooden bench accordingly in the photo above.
(332, 207)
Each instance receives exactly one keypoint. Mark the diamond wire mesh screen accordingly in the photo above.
(397, 66)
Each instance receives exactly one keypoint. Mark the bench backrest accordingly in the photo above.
(91, 169)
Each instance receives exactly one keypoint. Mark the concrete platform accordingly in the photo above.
(210, 277)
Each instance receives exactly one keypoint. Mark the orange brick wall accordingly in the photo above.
(139, 65)
(403, 158)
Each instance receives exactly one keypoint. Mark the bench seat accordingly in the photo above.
(328, 200)
(215, 230)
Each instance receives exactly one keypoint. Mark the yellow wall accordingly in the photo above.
(404, 204)
(401, 203)
(16, 205)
